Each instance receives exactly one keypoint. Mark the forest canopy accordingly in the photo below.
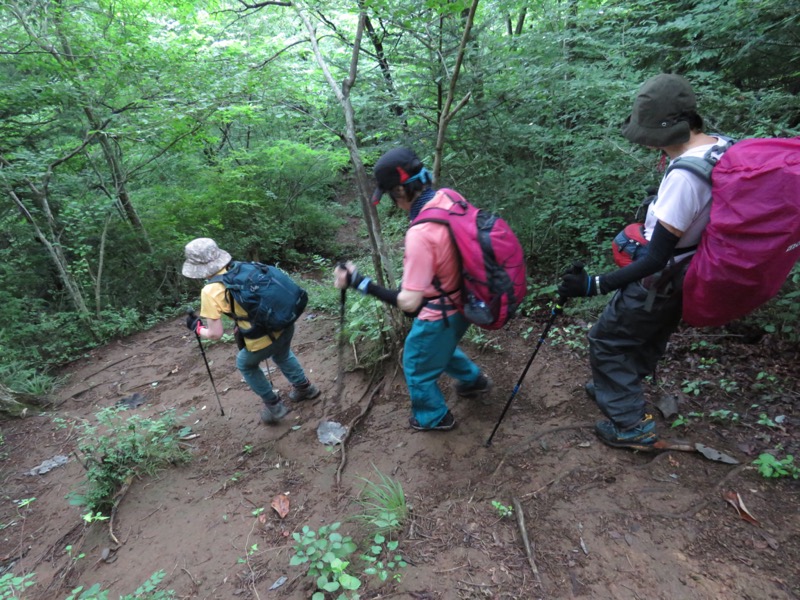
(129, 127)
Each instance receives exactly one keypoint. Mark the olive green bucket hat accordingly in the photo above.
(658, 118)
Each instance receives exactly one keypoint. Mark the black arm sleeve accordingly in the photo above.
(383, 294)
(660, 249)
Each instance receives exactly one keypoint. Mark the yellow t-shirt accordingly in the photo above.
(214, 303)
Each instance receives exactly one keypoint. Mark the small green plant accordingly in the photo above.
(693, 386)
(23, 503)
(728, 386)
(250, 552)
(682, 420)
(337, 579)
(91, 517)
(11, 586)
(121, 446)
(147, 591)
(766, 382)
(383, 503)
(571, 336)
(74, 557)
(477, 336)
(324, 552)
(724, 415)
(679, 421)
(382, 563)
(772, 467)
(502, 510)
(704, 345)
(763, 419)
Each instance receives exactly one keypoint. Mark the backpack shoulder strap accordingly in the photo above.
(702, 166)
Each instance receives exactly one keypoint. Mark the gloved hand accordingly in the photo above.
(575, 282)
(193, 323)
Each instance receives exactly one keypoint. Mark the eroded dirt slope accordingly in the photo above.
(602, 523)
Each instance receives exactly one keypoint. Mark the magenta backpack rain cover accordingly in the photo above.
(753, 238)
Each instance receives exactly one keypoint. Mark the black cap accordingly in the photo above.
(394, 168)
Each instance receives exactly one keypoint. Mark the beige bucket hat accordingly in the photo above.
(204, 258)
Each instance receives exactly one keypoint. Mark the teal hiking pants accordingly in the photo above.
(431, 349)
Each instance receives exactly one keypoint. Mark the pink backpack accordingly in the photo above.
(752, 241)
(493, 280)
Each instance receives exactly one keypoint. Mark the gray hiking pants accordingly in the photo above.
(626, 343)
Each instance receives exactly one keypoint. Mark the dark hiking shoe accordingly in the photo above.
(643, 434)
(271, 414)
(482, 385)
(303, 392)
(446, 424)
(589, 389)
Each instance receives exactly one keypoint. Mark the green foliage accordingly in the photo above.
(324, 552)
(120, 446)
(502, 510)
(366, 326)
(694, 387)
(227, 129)
(772, 467)
(147, 591)
(570, 336)
(383, 503)
(681, 420)
(381, 560)
(12, 586)
(724, 415)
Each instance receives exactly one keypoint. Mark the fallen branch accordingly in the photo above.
(352, 426)
(524, 533)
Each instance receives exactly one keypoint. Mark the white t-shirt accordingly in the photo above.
(684, 203)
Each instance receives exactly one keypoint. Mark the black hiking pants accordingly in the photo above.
(626, 343)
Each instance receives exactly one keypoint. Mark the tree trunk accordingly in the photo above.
(446, 113)
(384, 272)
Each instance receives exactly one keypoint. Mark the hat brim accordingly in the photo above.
(656, 137)
(194, 270)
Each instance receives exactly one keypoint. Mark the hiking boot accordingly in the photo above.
(305, 391)
(590, 391)
(482, 385)
(446, 424)
(642, 434)
(272, 413)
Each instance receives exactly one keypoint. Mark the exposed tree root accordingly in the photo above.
(352, 426)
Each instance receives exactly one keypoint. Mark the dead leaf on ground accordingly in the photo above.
(735, 500)
(281, 505)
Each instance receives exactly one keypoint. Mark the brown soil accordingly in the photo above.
(602, 523)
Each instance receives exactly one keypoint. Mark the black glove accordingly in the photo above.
(193, 322)
(575, 282)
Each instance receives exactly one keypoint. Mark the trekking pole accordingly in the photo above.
(557, 309)
(191, 313)
(340, 350)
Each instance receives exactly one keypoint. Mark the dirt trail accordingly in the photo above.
(603, 523)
